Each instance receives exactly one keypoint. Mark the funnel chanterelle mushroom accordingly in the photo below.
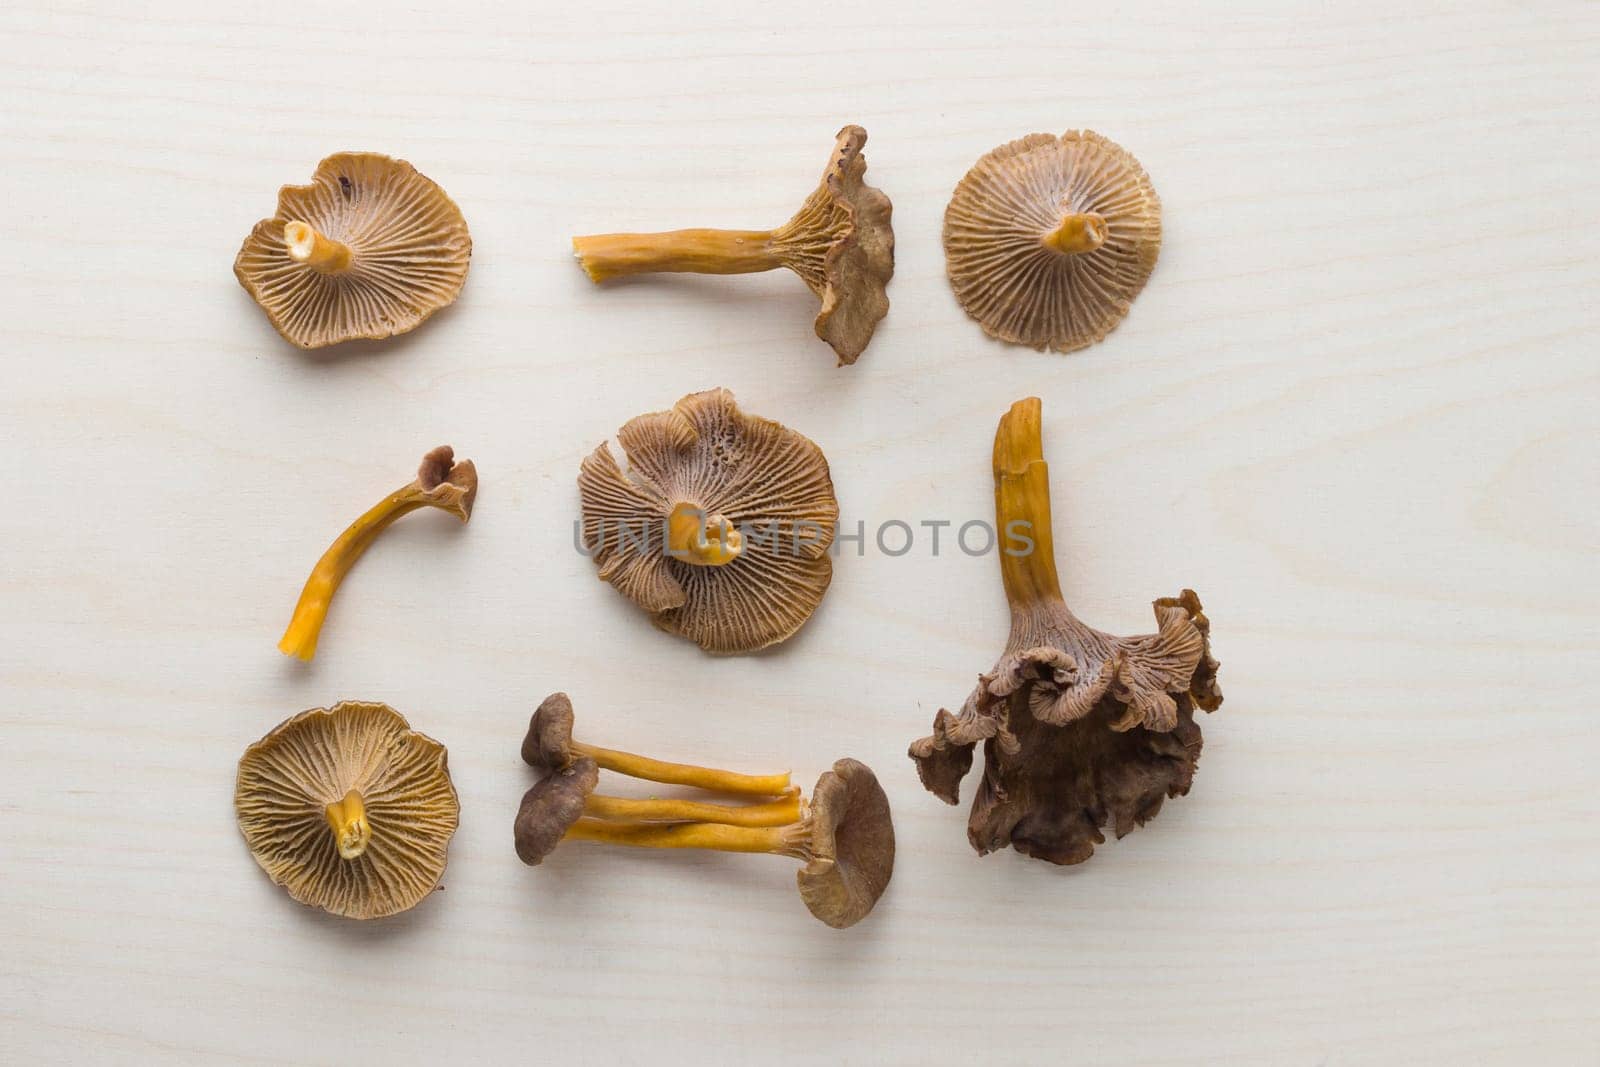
(369, 249)
(721, 526)
(442, 482)
(348, 809)
(840, 243)
(1079, 728)
(845, 835)
(1048, 239)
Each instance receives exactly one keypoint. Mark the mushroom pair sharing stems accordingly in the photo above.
(844, 835)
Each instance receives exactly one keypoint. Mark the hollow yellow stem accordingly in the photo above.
(1078, 233)
(612, 255)
(778, 840)
(322, 254)
(700, 539)
(347, 819)
(625, 809)
(1022, 507)
(707, 778)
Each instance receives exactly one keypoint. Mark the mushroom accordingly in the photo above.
(1080, 729)
(349, 809)
(840, 243)
(1048, 239)
(441, 482)
(722, 530)
(369, 249)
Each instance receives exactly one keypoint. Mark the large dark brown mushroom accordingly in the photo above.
(1080, 729)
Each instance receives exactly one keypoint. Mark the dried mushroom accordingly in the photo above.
(1048, 239)
(840, 243)
(349, 809)
(845, 835)
(1080, 729)
(721, 526)
(441, 483)
(369, 249)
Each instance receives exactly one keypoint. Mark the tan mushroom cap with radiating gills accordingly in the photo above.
(721, 526)
(852, 845)
(1049, 239)
(349, 809)
(549, 809)
(369, 249)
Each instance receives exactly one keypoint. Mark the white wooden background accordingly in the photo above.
(1355, 409)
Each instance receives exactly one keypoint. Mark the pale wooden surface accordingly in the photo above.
(1355, 409)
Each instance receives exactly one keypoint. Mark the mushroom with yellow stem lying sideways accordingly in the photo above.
(721, 527)
(1080, 729)
(840, 243)
(1048, 239)
(348, 809)
(369, 249)
(441, 483)
(845, 834)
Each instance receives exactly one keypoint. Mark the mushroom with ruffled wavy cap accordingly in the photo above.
(1048, 239)
(721, 526)
(369, 249)
(840, 243)
(1080, 728)
(348, 809)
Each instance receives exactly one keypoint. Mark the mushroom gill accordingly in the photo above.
(720, 528)
(369, 249)
(348, 809)
(1048, 239)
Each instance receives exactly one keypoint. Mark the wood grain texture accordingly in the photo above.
(1355, 409)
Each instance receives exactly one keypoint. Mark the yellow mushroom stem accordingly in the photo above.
(322, 254)
(1022, 508)
(347, 819)
(1078, 233)
(612, 255)
(300, 639)
(707, 778)
(702, 540)
(779, 812)
(790, 840)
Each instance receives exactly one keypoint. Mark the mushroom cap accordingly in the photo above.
(852, 845)
(770, 482)
(549, 809)
(287, 780)
(1017, 289)
(409, 243)
(548, 743)
(841, 243)
(450, 485)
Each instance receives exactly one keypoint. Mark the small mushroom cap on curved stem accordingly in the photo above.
(1049, 239)
(851, 845)
(549, 809)
(370, 249)
(548, 742)
(448, 484)
(352, 756)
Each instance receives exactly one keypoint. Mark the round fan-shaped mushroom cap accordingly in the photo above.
(369, 249)
(761, 487)
(383, 790)
(1048, 239)
(548, 743)
(852, 845)
(550, 808)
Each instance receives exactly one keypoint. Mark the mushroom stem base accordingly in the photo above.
(612, 255)
(322, 254)
(1078, 233)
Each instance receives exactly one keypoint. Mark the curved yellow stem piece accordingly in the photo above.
(347, 819)
(625, 809)
(1022, 507)
(322, 254)
(1078, 233)
(612, 255)
(708, 778)
(779, 840)
(700, 539)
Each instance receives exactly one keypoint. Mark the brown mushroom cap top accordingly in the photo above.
(448, 484)
(409, 251)
(548, 742)
(841, 243)
(851, 846)
(755, 474)
(289, 778)
(1017, 286)
(549, 809)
